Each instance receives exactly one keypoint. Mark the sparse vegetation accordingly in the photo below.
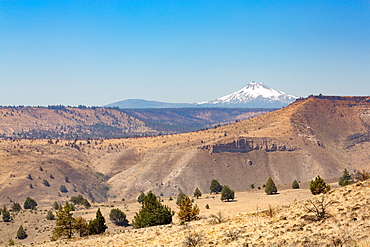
(217, 218)
(270, 187)
(194, 239)
(318, 186)
(319, 208)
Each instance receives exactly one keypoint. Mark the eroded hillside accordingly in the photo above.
(310, 137)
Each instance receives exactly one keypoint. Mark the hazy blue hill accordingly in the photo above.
(145, 104)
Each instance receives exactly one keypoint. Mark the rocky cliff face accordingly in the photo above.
(245, 145)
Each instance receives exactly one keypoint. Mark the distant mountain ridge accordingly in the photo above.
(253, 95)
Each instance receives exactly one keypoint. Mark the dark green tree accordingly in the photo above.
(187, 211)
(50, 215)
(152, 213)
(180, 196)
(215, 187)
(21, 233)
(46, 183)
(118, 217)
(97, 225)
(345, 179)
(56, 205)
(270, 187)
(86, 203)
(141, 197)
(6, 215)
(64, 222)
(63, 189)
(29, 203)
(77, 199)
(227, 193)
(197, 193)
(16, 207)
(295, 184)
(318, 186)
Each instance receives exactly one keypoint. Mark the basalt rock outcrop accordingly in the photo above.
(244, 145)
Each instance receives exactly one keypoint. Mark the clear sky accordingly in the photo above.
(99, 52)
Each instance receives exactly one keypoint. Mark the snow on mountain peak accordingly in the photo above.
(254, 93)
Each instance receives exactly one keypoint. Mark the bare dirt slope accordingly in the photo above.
(313, 136)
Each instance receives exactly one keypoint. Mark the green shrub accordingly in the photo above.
(16, 207)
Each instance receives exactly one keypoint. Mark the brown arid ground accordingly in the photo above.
(279, 220)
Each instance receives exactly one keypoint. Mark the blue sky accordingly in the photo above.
(99, 52)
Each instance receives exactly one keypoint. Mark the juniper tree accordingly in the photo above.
(141, 197)
(270, 187)
(345, 179)
(227, 193)
(64, 222)
(118, 217)
(180, 196)
(21, 233)
(215, 187)
(295, 184)
(318, 186)
(97, 225)
(197, 193)
(187, 211)
(152, 213)
(80, 225)
(29, 203)
(16, 207)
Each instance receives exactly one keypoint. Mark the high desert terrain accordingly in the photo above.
(318, 135)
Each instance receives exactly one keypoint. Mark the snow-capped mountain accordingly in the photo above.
(255, 94)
